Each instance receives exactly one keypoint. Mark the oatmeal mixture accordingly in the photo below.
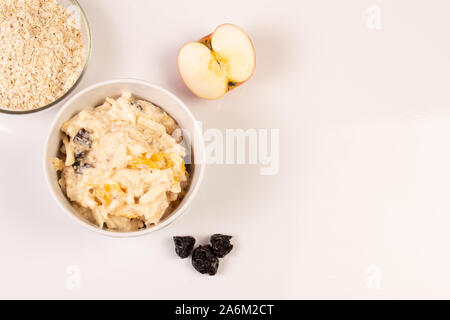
(121, 164)
(41, 53)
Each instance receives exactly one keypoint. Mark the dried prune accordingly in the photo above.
(204, 260)
(184, 246)
(80, 155)
(80, 167)
(221, 245)
(83, 138)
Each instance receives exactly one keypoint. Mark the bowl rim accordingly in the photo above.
(83, 71)
(199, 165)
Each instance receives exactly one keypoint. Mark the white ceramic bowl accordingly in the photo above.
(94, 96)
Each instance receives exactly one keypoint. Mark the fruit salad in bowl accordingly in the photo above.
(120, 163)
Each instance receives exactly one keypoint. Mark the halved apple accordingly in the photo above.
(217, 63)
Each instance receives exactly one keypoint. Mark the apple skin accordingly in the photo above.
(206, 40)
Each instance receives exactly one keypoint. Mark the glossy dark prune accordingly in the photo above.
(83, 138)
(79, 168)
(80, 155)
(221, 245)
(184, 246)
(204, 260)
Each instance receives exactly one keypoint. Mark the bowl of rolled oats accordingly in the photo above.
(44, 50)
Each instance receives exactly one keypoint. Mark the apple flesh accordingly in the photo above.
(218, 62)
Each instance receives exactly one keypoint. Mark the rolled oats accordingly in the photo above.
(41, 53)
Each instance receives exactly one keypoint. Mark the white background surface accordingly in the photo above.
(362, 194)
